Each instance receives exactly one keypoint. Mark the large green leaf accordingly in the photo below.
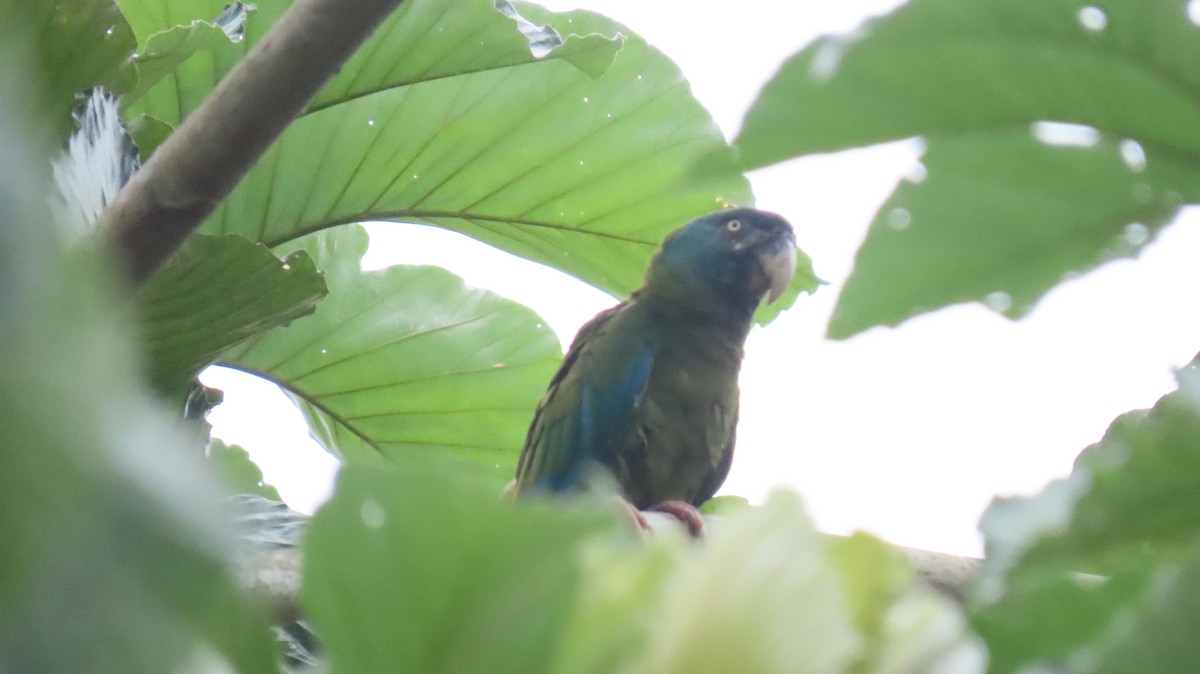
(532, 155)
(407, 359)
(974, 77)
(427, 40)
(577, 157)
(114, 557)
(216, 292)
(1003, 217)
(946, 68)
(422, 40)
(420, 569)
(1128, 517)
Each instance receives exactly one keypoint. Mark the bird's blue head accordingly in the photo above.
(738, 256)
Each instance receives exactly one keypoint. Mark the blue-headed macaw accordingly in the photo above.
(648, 391)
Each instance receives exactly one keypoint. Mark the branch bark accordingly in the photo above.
(193, 171)
(951, 575)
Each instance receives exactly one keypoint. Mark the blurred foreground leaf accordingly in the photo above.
(78, 44)
(1001, 219)
(1009, 206)
(1099, 572)
(116, 555)
(765, 593)
(239, 474)
(419, 568)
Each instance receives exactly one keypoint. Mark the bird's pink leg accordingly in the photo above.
(634, 515)
(680, 510)
(685, 513)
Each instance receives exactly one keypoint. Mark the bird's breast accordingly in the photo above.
(687, 418)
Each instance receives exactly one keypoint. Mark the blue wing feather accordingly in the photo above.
(603, 419)
(590, 407)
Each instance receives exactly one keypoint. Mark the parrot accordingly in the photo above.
(647, 394)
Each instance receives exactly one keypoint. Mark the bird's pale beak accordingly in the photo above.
(779, 266)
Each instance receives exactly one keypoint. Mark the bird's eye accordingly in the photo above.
(733, 225)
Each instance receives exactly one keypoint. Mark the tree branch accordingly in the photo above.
(949, 574)
(213, 149)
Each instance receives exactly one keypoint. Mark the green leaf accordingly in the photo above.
(415, 568)
(216, 292)
(952, 68)
(239, 474)
(166, 50)
(531, 155)
(905, 626)
(151, 17)
(1162, 636)
(408, 360)
(614, 612)
(1002, 218)
(1127, 519)
(115, 557)
(766, 593)
(998, 217)
(724, 505)
(1137, 503)
(147, 133)
(78, 44)
(441, 119)
(173, 35)
(767, 567)
(1046, 620)
(422, 40)
(872, 577)
(427, 40)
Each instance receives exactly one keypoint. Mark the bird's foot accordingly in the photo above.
(685, 513)
(636, 518)
(680, 510)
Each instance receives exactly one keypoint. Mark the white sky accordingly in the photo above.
(907, 433)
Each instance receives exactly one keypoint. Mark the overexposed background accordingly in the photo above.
(906, 433)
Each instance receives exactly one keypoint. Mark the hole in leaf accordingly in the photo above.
(899, 218)
(1062, 134)
(1093, 19)
(1133, 154)
(998, 301)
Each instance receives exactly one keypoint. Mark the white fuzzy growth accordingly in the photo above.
(99, 159)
